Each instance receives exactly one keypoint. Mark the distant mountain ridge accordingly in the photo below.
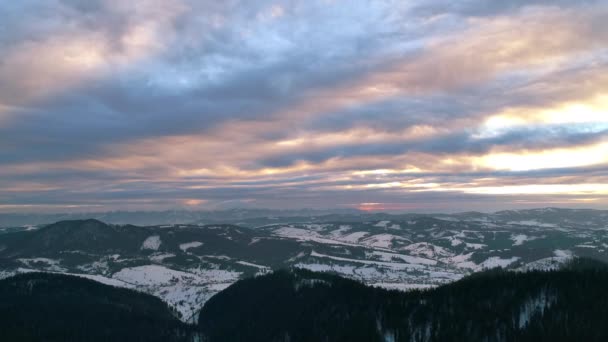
(164, 217)
(90, 235)
(260, 217)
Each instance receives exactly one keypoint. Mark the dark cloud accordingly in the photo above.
(107, 102)
(526, 138)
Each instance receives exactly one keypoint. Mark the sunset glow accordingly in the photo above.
(388, 105)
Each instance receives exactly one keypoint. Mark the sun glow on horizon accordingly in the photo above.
(593, 113)
(549, 159)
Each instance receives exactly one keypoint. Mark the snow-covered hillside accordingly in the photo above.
(187, 264)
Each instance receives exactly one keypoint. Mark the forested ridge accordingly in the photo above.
(53, 307)
(566, 305)
(570, 304)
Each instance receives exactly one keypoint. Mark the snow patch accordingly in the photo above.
(456, 242)
(102, 279)
(300, 234)
(475, 245)
(533, 223)
(461, 261)
(561, 253)
(354, 237)
(494, 262)
(535, 306)
(185, 291)
(339, 232)
(250, 264)
(382, 240)
(45, 264)
(519, 239)
(160, 257)
(151, 243)
(150, 275)
(185, 246)
(385, 256)
(393, 265)
(403, 287)
(382, 224)
(427, 250)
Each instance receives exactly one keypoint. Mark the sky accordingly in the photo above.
(412, 106)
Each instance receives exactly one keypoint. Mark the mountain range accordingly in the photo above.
(187, 264)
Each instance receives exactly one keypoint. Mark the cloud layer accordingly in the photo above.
(413, 106)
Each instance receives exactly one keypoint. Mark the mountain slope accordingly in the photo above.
(566, 305)
(89, 235)
(51, 307)
(187, 264)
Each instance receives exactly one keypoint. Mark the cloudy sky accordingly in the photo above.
(420, 105)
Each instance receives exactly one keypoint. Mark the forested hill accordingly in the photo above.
(566, 305)
(570, 304)
(52, 307)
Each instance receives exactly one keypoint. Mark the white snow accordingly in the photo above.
(307, 235)
(255, 240)
(560, 253)
(385, 256)
(389, 275)
(480, 219)
(6, 274)
(447, 218)
(403, 286)
(427, 250)
(214, 276)
(354, 237)
(394, 265)
(245, 263)
(316, 227)
(493, 262)
(535, 306)
(456, 242)
(187, 290)
(533, 223)
(150, 275)
(340, 269)
(159, 257)
(103, 280)
(475, 245)
(382, 224)
(185, 246)
(152, 243)
(547, 264)
(519, 239)
(382, 240)
(461, 261)
(50, 265)
(98, 267)
(339, 232)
